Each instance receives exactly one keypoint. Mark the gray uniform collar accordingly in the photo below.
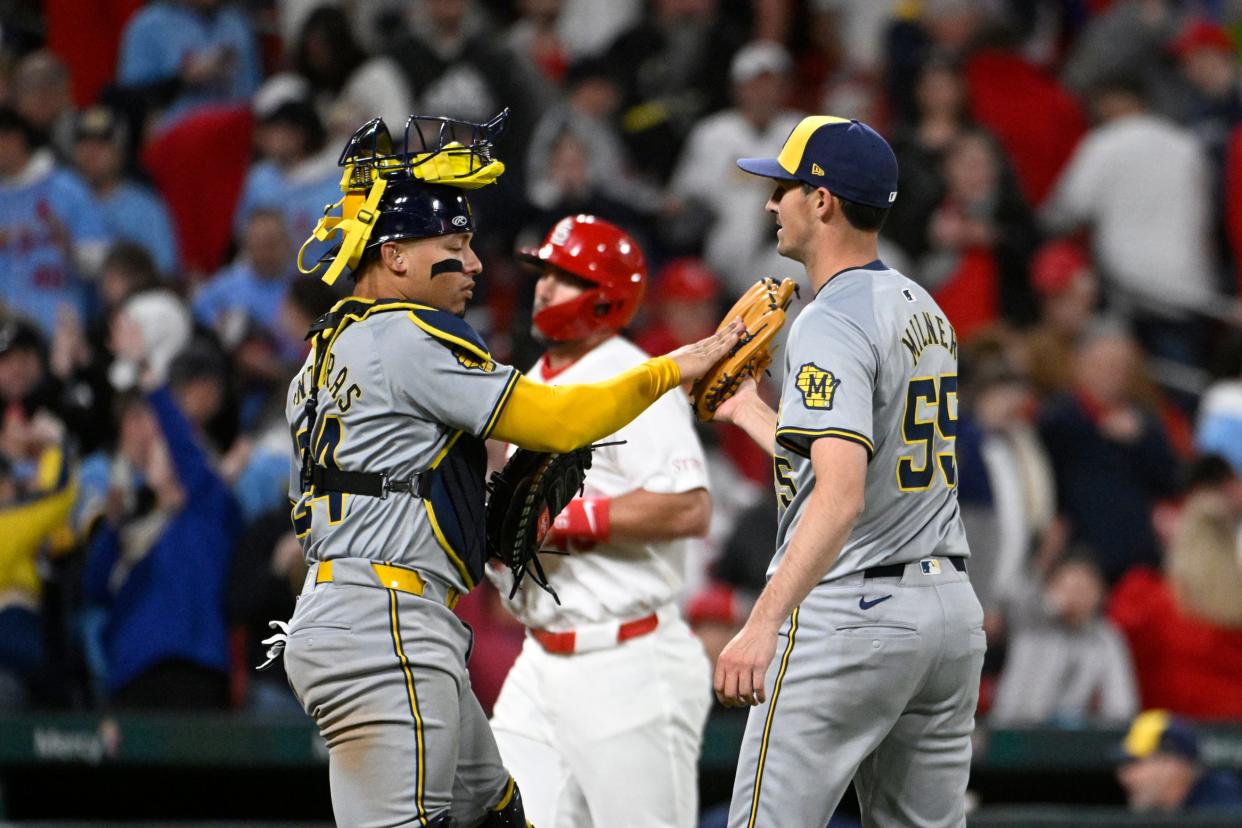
(874, 264)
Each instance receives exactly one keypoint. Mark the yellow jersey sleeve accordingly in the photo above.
(561, 418)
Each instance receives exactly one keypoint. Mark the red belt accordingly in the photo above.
(566, 643)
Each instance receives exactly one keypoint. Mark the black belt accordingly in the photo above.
(372, 484)
(897, 570)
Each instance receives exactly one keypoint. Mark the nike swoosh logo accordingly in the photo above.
(864, 604)
(589, 509)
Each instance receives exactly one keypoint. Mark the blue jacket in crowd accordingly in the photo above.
(171, 605)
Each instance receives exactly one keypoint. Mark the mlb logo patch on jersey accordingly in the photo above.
(817, 386)
(930, 566)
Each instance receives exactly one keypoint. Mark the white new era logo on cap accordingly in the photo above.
(892, 197)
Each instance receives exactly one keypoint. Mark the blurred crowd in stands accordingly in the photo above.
(1071, 193)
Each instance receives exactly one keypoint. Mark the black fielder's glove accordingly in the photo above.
(523, 499)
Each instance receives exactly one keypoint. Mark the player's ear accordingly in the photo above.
(394, 258)
(824, 203)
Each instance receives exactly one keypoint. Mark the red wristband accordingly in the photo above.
(584, 518)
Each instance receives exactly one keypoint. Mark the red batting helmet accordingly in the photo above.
(602, 254)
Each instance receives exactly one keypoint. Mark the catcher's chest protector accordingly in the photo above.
(454, 493)
(452, 486)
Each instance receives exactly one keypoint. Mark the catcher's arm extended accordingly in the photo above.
(561, 418)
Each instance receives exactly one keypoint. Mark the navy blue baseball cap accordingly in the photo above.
(1157, 731)
(847, 157)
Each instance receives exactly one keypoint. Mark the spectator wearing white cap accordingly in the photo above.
(739, 243)
(149, 329)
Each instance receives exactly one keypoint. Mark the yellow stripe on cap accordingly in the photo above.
(795, 145)
(1144, 736)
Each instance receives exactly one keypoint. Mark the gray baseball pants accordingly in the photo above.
(875, 681)
(383, 674)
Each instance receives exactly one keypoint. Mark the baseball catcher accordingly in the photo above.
(388, 416)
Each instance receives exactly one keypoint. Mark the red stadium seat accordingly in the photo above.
(199, 165)
(1036, 119)
(87, 37)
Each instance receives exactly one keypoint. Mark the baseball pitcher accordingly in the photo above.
(861, 656)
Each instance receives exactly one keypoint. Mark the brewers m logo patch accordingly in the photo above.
(469, 360)
(817, 386)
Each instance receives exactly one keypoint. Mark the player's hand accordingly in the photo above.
(694, 359)
(742, 665)
(728, 411)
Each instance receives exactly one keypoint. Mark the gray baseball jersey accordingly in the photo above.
(378, 664)
(872, 359)
(398, 387)
(876, 675)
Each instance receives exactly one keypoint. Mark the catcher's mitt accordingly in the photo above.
(523, 499)
(762, 311)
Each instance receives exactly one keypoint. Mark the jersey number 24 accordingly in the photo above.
(929, 427)
(326, 444)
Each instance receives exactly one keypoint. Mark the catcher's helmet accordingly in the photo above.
(598, 252)
(409, 192)
(411, 209)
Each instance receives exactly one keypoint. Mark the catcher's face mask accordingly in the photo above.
(405, 192)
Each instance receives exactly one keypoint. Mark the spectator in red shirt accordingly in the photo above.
(1036, 119)
(1185, 630)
